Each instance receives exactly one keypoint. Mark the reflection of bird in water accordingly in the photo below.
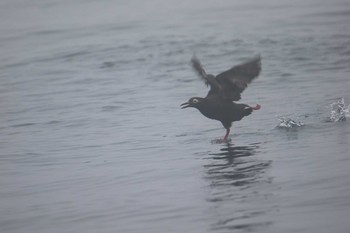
(230, 166)
(238, 194)
(224, 89)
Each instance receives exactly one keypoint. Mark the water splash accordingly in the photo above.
(339, 112)
(289, 123)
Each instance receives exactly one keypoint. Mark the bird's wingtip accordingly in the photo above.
(194, 58)
(257, 57)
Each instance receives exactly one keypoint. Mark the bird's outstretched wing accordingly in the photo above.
(197, 66)
(235, 80)
(207, 78)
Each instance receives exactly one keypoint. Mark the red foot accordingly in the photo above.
(257, 107)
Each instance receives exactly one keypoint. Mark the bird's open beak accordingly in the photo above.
(185, 105)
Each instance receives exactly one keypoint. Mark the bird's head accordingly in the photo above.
(194, 102)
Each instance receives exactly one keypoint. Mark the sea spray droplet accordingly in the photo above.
(339, 112)
(289, 123)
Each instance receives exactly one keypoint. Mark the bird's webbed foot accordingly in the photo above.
(223, 140)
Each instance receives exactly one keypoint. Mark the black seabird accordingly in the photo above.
(224, 89)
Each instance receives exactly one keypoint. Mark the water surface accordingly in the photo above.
(93, 139)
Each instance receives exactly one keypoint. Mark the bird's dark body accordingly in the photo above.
(224, 111)
(225, 88)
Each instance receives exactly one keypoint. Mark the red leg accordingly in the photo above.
(226, 135)
(257, 107)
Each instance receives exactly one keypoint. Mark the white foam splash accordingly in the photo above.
(339, 111)
(289, 123)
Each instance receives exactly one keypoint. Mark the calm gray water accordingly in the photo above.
(92, 138)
